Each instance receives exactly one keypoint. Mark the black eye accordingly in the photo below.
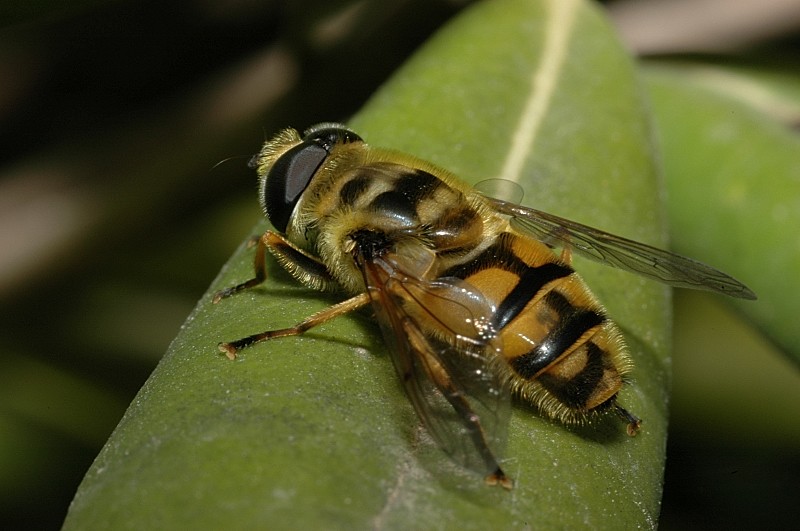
(291, 173)
(287, 179)
(328, 135)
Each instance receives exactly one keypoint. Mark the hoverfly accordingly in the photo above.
(472, 301)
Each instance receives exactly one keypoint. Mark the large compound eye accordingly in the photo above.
(290, 174)
(328, 135)
(287, 179)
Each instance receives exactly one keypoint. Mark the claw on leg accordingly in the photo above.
(498, 477)
(228, 349)
(634, 422)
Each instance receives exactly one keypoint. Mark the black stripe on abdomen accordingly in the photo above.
(573, 323)
(576, 391)
(530, 282)
(498, 255)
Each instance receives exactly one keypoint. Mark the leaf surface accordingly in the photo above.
(733, 179)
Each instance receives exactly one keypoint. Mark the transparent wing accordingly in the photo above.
(636, 257)
(447, 360)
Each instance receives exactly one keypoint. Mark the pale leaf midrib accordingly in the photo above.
(543, 83)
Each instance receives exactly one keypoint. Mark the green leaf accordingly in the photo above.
(315, 432)
(738, 170)
(750, 377)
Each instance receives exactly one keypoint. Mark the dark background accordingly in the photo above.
(126, 129)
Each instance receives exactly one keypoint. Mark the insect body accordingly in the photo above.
(471, 299)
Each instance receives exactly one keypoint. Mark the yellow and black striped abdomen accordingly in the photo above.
(563, 353)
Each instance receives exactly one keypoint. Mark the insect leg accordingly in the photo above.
(438, 375)
(566, 255)
(301, 265)
(258, 266)
(341, 308)
(564, 240)
(304, 267)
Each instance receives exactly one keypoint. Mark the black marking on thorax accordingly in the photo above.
(416, 185)
(406, 184)
(353, 189)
